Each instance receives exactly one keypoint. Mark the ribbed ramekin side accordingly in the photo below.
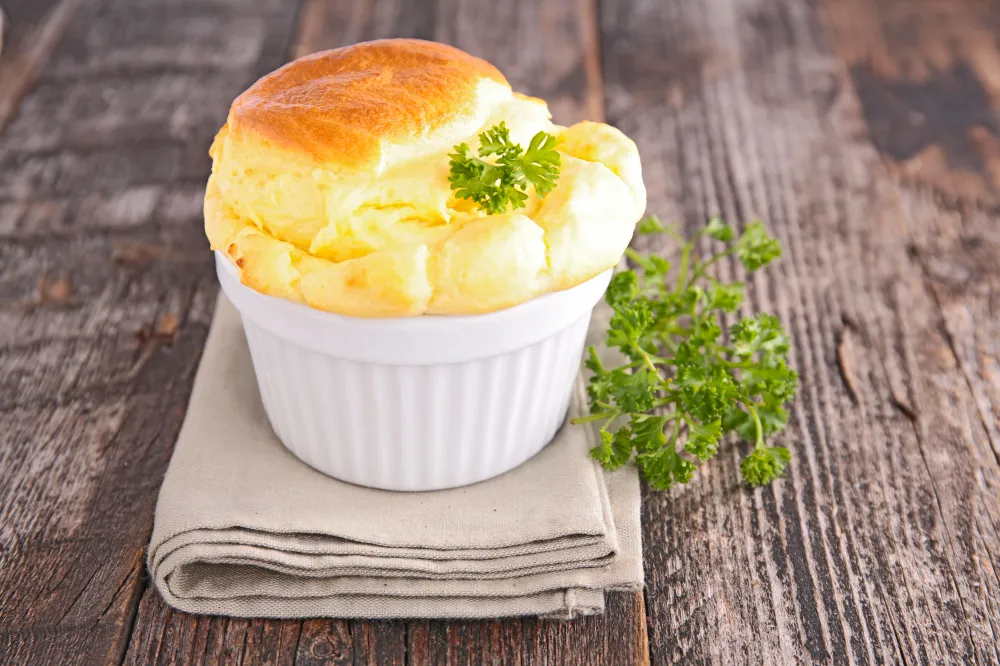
(415, 427)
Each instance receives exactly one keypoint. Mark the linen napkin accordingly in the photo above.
(243, 528)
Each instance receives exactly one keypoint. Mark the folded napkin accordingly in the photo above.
(244, 528)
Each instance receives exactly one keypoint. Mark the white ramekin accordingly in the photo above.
(419, 403)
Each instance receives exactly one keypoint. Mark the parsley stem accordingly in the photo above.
(670, 231)
(595, 359)
(646, 359)
(682, 277)
(759, 444)
(700, 271)
(635, 257)
(750, 365)
(589, 418)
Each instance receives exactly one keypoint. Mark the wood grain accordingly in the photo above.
(949, 187)
(879, 546)
(911, 61)
(98, 346)
(948, 192)
(31, 30)
(545, 49)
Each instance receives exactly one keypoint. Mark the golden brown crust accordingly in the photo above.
(338, 106)
(330, 188)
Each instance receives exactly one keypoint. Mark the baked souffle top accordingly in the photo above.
(330, 187)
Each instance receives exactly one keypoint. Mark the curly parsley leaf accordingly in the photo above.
(504, 182)
(665, 467)
(633, 392)
(725, 297)
(703, 440)
(688, 379)
(764, 464)
(614, 450)
(647, 432)
(650, 224)
(540, 164)
(719, 230)
(486, 184)
(756, 248)
(622, 289)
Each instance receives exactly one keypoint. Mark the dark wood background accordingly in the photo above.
(865, 132)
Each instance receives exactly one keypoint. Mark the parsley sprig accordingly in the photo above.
(504, 181)
(685, 383)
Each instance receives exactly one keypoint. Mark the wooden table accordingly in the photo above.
(865, 132)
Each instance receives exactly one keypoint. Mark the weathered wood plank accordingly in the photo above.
(545, 49)
(945, 160)
(927, 73)
(31, 31)
(879, 546)
(943, 154)
(531, 641)
(555, 56)
(105, 298)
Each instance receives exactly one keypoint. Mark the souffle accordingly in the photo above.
(331, 187)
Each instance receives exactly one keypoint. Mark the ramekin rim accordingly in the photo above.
(423, 321)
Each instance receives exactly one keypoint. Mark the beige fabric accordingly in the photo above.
(244, 528)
